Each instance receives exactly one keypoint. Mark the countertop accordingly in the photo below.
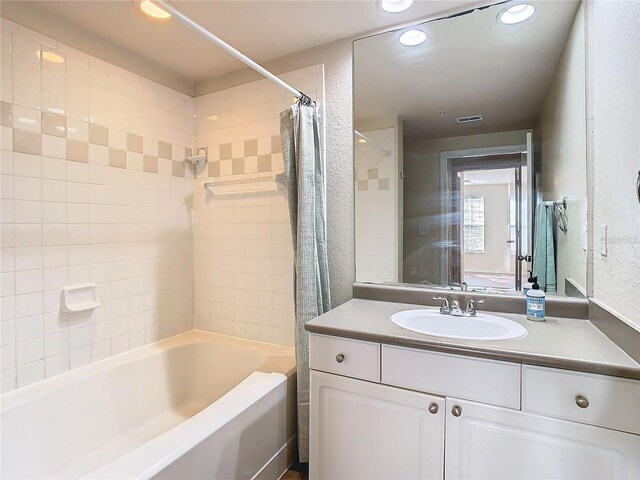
(558, 342)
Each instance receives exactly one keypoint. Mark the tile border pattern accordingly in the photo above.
(54, 129)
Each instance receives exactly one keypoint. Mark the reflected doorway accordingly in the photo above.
(487, 228)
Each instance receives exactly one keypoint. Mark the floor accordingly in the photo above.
(493, 280)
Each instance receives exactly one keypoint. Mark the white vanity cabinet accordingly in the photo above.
(484, 442)
(363, 430)
(386, 412)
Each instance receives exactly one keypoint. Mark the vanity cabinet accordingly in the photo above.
(387, 412)
(487, 442)
(363, 430)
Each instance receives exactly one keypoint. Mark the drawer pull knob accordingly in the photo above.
(456, 410)
(433, 408)
(582, 402)
(339, 358)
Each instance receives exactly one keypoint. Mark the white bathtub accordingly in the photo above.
(199, 405)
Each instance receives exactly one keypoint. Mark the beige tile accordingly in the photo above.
(264, 163)
(98, 135)
(134, 143)
(251, 148)
(214, 169)
(150, 164)
(372, 173)
(363, 185)
(383, 184)
(164, 150)
(276, 144)
(177, 169)
(237, 166)
(54, 125)
(27, 142)
(5, 114)
(77, 151)
(117, 158)
(225, 151)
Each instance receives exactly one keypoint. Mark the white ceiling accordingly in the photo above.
(469, 65)
(263, 30)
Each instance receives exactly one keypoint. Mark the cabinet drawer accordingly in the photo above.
(344, 356)
(606, 401)
(486, 381)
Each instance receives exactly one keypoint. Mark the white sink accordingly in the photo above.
(481, 327)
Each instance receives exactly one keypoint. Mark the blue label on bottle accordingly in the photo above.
(535, 307)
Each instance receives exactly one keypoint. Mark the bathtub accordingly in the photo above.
(198, 405)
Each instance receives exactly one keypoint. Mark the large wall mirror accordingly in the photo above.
(470, 155)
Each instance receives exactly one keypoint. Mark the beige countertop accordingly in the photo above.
(557, 342)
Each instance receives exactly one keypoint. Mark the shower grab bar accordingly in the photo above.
(304, 99)
(277, 178)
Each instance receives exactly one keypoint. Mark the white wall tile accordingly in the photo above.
(56, 215)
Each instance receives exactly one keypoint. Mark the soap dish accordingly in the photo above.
(79, 298)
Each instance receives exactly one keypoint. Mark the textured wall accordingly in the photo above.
(613, 64)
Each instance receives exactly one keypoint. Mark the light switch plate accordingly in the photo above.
(603, 240)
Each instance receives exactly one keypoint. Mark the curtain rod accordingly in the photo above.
(304, 99)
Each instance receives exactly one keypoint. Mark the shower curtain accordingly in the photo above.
(304, 180)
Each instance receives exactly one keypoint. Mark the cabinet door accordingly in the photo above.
(486, 442)
(362, 430)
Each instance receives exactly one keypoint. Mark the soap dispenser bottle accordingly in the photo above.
(528, 284)
(535, 302)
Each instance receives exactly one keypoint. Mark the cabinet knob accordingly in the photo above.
(433, 408)
(582, 402)
(456, 410)
(339, 358)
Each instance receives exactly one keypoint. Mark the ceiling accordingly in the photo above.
(471, 64)
(262, 30)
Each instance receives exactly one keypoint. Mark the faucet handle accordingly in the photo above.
(444, 307)
(470, 310)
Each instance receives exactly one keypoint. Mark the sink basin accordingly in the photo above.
(481, 327)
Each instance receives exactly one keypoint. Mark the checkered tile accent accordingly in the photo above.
(97, 148)
(251, 156)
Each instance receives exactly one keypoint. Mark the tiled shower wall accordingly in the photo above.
(93, 190)
(376, 206)
(243, 262)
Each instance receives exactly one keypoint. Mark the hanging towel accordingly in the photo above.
(544, 259)
(304, 180)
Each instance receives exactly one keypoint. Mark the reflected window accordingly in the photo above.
(473, 230)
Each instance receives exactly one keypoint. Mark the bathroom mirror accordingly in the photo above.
(470, 156)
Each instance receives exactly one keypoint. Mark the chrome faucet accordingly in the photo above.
(444, 307)
(456, 311)
(463, 286)
(470, 311)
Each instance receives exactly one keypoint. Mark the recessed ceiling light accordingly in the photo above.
(362, 140)
(395, 6)
(411, 38)
(151, 9)
(516, 13)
